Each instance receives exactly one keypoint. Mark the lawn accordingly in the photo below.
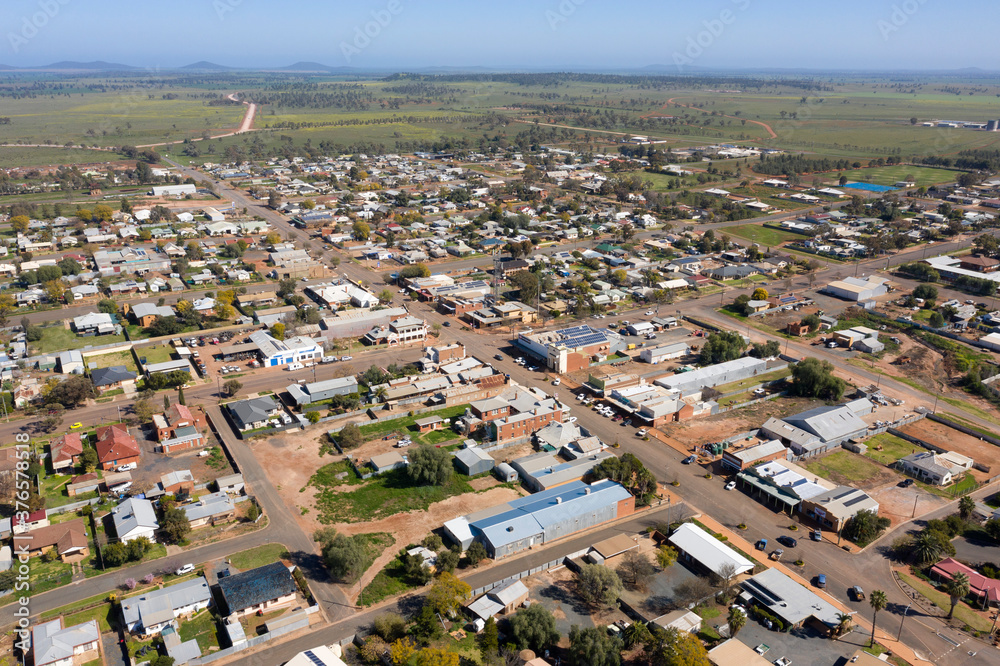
(259, 556)
(106, 616)
(753, 381)
(764, 234)
(54, 491)
(59, 338)
(157, 354)
(962, 612)
(202, 627)
(114, 358)
(389, 582)
(844, 465)
(890, 175)
(380, 496)
(893, 448)
(91, 568)
(406, 423)
(435, 437)
(46, 576)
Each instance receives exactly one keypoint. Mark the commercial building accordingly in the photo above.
(308, 394)
(355, 323)
(343, 293)
(541, 518)
(718, 374)
(698, 547)
(835, 507)
(262, 589)
(544, 471)
(130, 261)
(571, 349)
(654, 355)
(515, 415)
(820, 429)
(147, 614)
(776, 485)
(754, 455)
(793, 603)
(857, 289)
(173, 190)
(402, 331)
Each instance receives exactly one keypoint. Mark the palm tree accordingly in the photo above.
(966, 506)
(956, 588)
(636, 633)
(736, 620)
(843, 623)
(926, 547)
(877, 601)
(380, 393)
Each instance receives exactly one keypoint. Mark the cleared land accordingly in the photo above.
(890, 175)
(763, 234)
(846, 468)
(953, 440)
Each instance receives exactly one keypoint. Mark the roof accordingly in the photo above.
(707, 550)
(734, 651)
(229, 480)
(65, 536)
(114, 443)
(65, 447)
(979, 583)
(256, 586)
(140, 310)
(789, 600)
(133, 514)
(112, 375)
(844, 501)
(51, 642)
(252, 410)
(757, 452)
(317, 656)
(829, 423)
(681, 619)
(783, 477)
(469, 457)
(214, 504)
(149, 606)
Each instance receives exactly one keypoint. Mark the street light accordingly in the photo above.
(905, 610)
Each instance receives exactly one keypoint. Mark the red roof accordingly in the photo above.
(177, 413)
(32, 517)
(65, 447)
(978, 583)
(114, 443)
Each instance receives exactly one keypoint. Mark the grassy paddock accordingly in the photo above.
(763, 234)
(844, 465)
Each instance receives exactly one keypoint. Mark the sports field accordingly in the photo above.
(890, 175)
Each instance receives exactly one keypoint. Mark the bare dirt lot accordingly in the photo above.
(953, 440)
(716, 428)
(901, 504)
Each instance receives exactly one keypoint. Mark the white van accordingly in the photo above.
(294, 366)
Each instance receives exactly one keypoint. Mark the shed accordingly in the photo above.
(473, 461)
(505, 473)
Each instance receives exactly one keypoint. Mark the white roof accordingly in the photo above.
(707, 550)
(318, 656)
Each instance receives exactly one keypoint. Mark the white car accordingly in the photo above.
(403, 443)
(556, 381)
(126, 467)
(186, 569)
(346, 358)
(641, 432)
(650, 313)
(571, 419)
(731, 485)
(295, 366)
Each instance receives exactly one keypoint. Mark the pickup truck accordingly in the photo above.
(776, 555)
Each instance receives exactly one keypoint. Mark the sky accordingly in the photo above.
(582, 35)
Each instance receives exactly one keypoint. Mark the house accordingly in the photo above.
(682, 619)
(429, 423)
(701, 549)
(135, 518)
(386, 462)
(83, 293)
(472, 461)
(253, 413)
(212, 509)
(734, 651)
(68, 540)
(149, 613)
(986, 589)
(324, 655)
(501, 600)
(789, 601)
(115, 446)
(834, 508)
(109, 379)
(54, 645)
(538, 519)
(939, 469)
(262, 589)
(980, 264)
(308, 394)
(177, 429)
(64, 451)
(22, 524)
(144, 314)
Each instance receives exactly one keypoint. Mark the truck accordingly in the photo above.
(776, 555)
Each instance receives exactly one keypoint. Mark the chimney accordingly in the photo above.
(559, 500)
(587, 491)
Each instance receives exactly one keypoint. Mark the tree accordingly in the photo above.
(385, 296)
(286, 287)
(636, 633)
(313, 417)
(344, 556)
(814, 378)
(724, 575)
(593, 646)
(278, 331)
(936, 320)
(635, 570)
(114, 555)
(631, 473)
(224, 311)
(534, 628)
(737, 620)
(877, 601)
(767, 349)
(175, 525)
(161, 659)
(447, 561)
(666, 556)
(527, 284)
(670, 647)
(19, 223)
(447, 594)
(143, 410)
(722, 347)
(426, 626)
(957, 588)
(232, 387)
(437, 657)
(361, 231)
(927, 292)
(430, 466)
(759, 294)
(598, 585)
(89, 460)
(489, 640)
(350, 437)
(70, 392)
(812, 321)
(373, 649)
(966, 507)
(476, 553)
(107, 306)
(401, 650)
(864, 527)
(844, 623)
(54, 290)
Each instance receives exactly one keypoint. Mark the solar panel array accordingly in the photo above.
(314, 659)
(582, 336)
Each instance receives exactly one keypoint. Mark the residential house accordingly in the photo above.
(135, 518)
(116, 447)
(144, 314)
(147, 614)
(67, 540)
(262, 589)
(212, 509)
(64, 451)
(111, 378)
(231, 483)
(940, 469)
(94, 323)
(55, 645)
(253, 413)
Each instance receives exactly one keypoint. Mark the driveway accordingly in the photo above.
(804, 645)
(973, 551)
(114, 650)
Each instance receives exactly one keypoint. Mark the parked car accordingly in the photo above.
(76, 426)
(649, 313)
(571, 419)
(821, 580)
(346, 358)
(690, 459)
(817, 535)
(446, 323)
(761, 544)
(498, 357)
(905, 483)
(556, 381)
(186, 569)
(857, 593)
(295, 366)
(126, 467)
(731, 485)
(788, 541)
(641, 432)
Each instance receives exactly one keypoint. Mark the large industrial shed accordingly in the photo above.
(318, 391)
(857, 289)
(531, 521)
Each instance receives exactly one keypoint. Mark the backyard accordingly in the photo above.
(848, 468)
(114, 358)
(59, 338)
(886, 449)
(259, 556)
(203, 628)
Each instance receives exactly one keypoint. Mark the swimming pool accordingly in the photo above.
(868, 187)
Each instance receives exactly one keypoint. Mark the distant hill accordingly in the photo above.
(306, 66)
(205, 66)
(96, 65)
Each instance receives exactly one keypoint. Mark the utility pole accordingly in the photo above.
(905, 610)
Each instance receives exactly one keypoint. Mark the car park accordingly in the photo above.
(787, 541)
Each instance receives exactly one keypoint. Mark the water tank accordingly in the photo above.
(991, 126)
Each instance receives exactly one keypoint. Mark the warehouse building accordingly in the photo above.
(544, 471)
(857, 289)
(717, 375)
(662, 353)
(538, 519)
(173, 190)
(307, 394)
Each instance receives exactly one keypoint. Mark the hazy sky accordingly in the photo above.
(541, 34)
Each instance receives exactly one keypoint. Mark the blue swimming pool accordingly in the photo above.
(868, 187)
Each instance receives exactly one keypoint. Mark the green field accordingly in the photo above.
(893, 448)
(155, 354)
(890, 175)
(844, 467)
(23, 156)
(388, 582)
(114, 358)
(59, 338)
(764, 235)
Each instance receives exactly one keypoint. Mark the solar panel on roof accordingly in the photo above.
(314, 659)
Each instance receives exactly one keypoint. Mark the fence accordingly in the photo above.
(961, 428)
(66, 508)
(723, 410)
(254, 641)
(897, 424)
(530, 572)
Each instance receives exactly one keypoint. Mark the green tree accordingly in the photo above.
(864, 527)
(313, 417)
(534, 628)
(636, 633)
(877, 601)
(426, 626)
(593, 646)
(635, 570)
(350, 437)
(489, 641)
(344, 556)
(927, 292)
(737, 620)
(666, 556)
(936, 320)
(476, 553)
(814, 378)
(447, 594)
(927, 547)
(278, 331)
(722, 347)
(361, 231)
(430, 466)
(89, 460)
(385, 296)
(175, 525)
(598, 585)
(812, 321)
(232, 387)
(107, 306)
(670, 647)
(957, 589)
(114, 555)
(447, 561)
(966, 507)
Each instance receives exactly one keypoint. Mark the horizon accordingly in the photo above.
(568, 35)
